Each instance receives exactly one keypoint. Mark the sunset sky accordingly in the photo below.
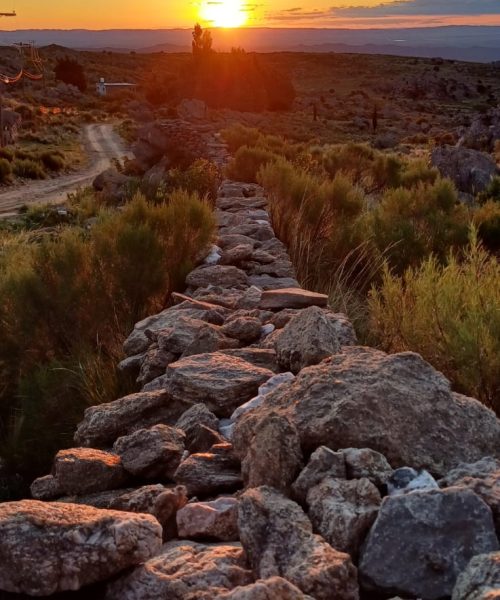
(104, 14)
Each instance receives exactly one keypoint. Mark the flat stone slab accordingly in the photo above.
(53, 547)
(291, 298)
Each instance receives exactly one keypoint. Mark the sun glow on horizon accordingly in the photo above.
(224, 13)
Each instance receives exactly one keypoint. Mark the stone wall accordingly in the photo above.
(269, 454)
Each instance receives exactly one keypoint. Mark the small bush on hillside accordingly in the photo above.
(247, 162)
(53, 161)
(29, 169)
(5, 170)
(487, 220)
(410, 224)
(450, 315)
(70, 71)
(7, 153)
(239, 135)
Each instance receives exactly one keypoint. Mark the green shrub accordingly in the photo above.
(410, 224)
(5, 170)
(247, 162)
(68, 302)
(53, 161)
(450, 315)
(29, 169)
(7, 153)
(487, 220)
(239, 135)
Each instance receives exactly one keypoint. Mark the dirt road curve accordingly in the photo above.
(101, 143)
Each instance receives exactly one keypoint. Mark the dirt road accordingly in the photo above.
(102, 144)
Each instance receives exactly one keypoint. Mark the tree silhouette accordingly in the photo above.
(202, 41)
(71, 72)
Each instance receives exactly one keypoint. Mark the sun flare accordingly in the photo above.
(224, 13)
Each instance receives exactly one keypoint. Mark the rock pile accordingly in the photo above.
(254, 463)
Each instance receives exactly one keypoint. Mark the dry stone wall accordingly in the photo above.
(272, 456)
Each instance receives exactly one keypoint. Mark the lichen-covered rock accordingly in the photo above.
(422, 541)
(323, 463)
(211, 472)
(274, 457)
(343, 511)
(223, 275)
(274, 588)
(186, 332)
(307, 339)
(46, 488)
(364, 398)
(185, 571)
(85, 470)
(214, 520)
(291, 298)
(480, 580)
(153, 452)
(221, 382)
(279, 541)
(245, 329)
(49, 547)
(103, 424)
(259, 357)
(483, 478)
(198, 424)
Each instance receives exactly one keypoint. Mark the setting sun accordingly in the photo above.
(224, 13)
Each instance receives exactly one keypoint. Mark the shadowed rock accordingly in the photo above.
(480, 580)
(274, 588)
(217, 520)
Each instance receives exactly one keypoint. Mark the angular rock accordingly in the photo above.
(212, 472)
(215, 520)
(279, 541)
(222, 383)
(342, 512)
(322, 464)
(153, 452)
(185, 334)
(85, 470)
(225, 276)
(422, 541)
(139, 342)
(154, 364)
(267, 282)
(194, 423)
(97, 499)
(483, 478)
(471, 171)
(365, 462)
(46, 488)
(274, 588)
(274, 457)
(237, 254)
(157, 500)
(364, 398)
(291, 298)
(480, 580)
(48, 547)
(245, 329)
(185, 570)
(102, 425)
(307, 339)
(259, 357)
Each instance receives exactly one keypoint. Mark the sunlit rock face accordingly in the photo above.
(47, 547)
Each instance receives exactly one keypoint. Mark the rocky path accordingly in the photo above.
(267, 456)
(101, 144)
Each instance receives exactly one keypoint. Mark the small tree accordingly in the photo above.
(202, 41)
(71, 72)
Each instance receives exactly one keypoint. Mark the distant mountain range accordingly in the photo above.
(481, 44)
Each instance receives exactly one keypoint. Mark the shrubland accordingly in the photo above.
(388, 239)
(70, 296)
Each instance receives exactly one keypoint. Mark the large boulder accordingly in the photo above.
(306, 340)
(480, 580)
(220, 381)
(183, 335)
(214, 520)
(279, 541)
(395, 404)
(153, 452)
(85, 470)
(103, 424)
(470, 170)
(112, 184)
(274, 588)
(185, 571)
(422, 541)
(343, 511)
(50, 547)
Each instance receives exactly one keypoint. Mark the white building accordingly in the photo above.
(103, 87)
